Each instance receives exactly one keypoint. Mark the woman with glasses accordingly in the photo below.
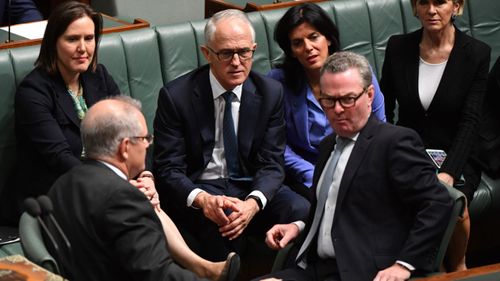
(307, 36)
(438, 77)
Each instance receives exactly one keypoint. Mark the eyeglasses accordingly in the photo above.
(345, 102)
(227, 55)
(149, 138)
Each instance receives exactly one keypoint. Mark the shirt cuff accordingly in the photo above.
(261, 196)
(300, 224)
(192, 196)
(406, 265)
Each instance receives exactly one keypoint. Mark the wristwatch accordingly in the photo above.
(256, 198)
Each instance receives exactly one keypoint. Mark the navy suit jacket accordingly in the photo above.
(21, 11)
(451, 121)
(48, 131)
(112, 227)
(390, 205)
(184, 129)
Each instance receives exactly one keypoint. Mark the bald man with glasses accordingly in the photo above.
(220, 138)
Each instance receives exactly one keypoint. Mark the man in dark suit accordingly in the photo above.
(379, 210)
(113, 229)
(21, 11)
(221, 174)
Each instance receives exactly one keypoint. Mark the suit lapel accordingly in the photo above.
(91, 90)
(249, 116)
(65, 101)
(412, 60)
(453, 69)
(202, 104)
(355, 160)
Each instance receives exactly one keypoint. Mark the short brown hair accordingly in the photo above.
(58, 22)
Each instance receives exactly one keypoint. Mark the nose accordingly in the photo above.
(337, 108)
(432, 9)
(308, 45)
(235, 60)
(81, 46)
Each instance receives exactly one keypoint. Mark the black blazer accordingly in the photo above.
(390, 205)
(112, 227)
(451, 121)
(48, 130)
(184, 129)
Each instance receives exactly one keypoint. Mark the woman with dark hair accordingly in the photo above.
(438, 76)
(52, 99)
(307, 36)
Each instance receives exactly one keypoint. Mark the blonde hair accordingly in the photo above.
(460, 3)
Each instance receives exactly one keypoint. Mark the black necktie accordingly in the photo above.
(230, 141)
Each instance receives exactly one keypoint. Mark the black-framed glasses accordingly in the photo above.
(227, 55)
(149, 138)
(345, 102)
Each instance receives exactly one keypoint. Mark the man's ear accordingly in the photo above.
(123, 149)
(370, 91)
(206, 52)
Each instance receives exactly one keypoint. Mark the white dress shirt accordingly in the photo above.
(217, 167)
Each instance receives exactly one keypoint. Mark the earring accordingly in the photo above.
(453, 17)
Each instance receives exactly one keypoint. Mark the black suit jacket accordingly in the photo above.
(48, 131)
(451, 121)
(112, 227)
(390, 205)
(184, 129)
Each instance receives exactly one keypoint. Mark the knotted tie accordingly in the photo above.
(324, 187)
(229, 135)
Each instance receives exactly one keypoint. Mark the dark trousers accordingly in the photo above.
(319, 270)
(286, 206)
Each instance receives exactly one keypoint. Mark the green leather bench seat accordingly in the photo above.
(141, 61)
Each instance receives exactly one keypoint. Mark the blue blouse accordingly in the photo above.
(307, 125)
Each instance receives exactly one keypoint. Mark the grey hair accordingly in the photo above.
(342, 61)
(101, 136)
(210, 27)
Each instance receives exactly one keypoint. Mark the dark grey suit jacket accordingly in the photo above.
(390, 205)
(112, 227)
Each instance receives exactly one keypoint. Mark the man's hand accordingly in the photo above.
(147, 186)
(280, 235)
(213, 207)
(241, 219)
(396, 272)
(446, 178)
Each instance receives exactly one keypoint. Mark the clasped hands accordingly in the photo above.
(231, 214)
(146, 185)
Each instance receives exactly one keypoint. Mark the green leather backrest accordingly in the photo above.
(485, 24)
(112, 55)
(178, 49)
(141, 67)
(14, 65)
